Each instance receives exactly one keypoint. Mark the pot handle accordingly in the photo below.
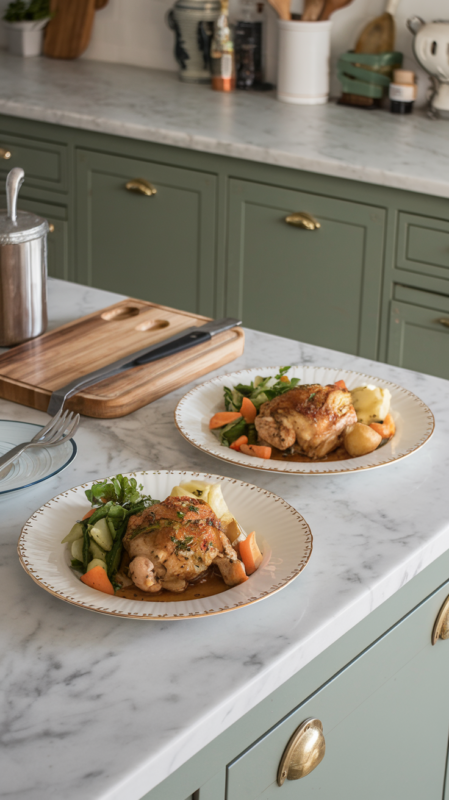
(14, 181)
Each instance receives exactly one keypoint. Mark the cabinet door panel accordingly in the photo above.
(159, 248)
(320, 286)
(385, 720)
(418, 340)
(45, 163)
(423, 245)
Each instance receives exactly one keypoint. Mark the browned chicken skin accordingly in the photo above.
(313, 416)
(172, 543)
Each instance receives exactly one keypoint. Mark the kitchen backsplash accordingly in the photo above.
(135, 32)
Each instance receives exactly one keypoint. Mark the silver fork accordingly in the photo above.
(60, 428)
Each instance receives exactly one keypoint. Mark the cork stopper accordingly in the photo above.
(404, 76)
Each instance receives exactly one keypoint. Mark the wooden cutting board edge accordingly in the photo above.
(225, 347)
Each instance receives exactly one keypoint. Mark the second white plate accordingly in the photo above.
(414, 421)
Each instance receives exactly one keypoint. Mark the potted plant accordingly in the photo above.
(25, 26)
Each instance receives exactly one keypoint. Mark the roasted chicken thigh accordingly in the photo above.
(174, 542)
(313, 417)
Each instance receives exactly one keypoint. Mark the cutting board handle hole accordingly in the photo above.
(152, 325)
(123, 312)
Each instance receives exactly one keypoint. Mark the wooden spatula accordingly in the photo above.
(312, 10)
(282, 7)
(379, 35)
(332, 5)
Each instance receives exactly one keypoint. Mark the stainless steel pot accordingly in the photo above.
(23, 269)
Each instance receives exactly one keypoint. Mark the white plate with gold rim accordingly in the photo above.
(282, 534)
(414, 421)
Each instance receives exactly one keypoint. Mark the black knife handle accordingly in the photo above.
(189, 340)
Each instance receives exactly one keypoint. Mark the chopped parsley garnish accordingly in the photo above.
(182, 544)
(180, 514)
(193, 508)
(311, 397)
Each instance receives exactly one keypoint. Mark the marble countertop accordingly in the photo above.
(81, 691)
(405, 152)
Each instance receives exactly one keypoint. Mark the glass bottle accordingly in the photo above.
(222, 55)
(248, 44)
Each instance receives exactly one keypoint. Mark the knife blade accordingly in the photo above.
(184, 340)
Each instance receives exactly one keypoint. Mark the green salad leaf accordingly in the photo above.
(115, 500)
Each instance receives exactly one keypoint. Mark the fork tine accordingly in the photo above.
(48, 427)
(70, 432)
(59, 429)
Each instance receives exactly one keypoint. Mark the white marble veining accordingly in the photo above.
(105, 708)
(409, 152)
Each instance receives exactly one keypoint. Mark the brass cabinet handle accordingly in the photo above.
(304, 751)
(5, 153)
(303, 220)
(441, 627)
(142, 186)
(444, 321)
(51, 227)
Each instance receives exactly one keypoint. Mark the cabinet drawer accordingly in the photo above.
(418, 336)
(159, 247)
(45, 163)
(383, 713)
(321, 286)
(58, 237)
(423, 245)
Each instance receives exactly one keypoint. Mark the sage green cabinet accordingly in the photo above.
(385, 720)
(419, 331)
(321, 286)
(159, 247)
(213, 240)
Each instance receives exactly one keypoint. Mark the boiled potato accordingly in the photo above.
(199, 489)
(371, 403)
(360, 439)
(181, 491)
(217, 501)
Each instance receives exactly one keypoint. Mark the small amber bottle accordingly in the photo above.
(222, 55)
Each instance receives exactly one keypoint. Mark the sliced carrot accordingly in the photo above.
(89, 513)
(387, 428)
(250, 553)
(97, 578)
(285, 379)
(248, 410)
(258, 450)
(340, 384)
(223, 418)
(238, 442)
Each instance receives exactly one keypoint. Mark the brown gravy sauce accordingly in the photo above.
(340, 454)
(204, 587)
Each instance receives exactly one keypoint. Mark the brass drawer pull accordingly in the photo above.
(441, 627)
(304, 751)
(142, 186)
(444, 321)
(5, 153)
(303, 220)
(51, 227)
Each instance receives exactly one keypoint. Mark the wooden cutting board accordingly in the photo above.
(30, 372)
(68, 33)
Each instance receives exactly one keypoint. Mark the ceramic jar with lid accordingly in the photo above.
(193, 24)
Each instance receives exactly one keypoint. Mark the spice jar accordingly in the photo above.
(402, 91)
